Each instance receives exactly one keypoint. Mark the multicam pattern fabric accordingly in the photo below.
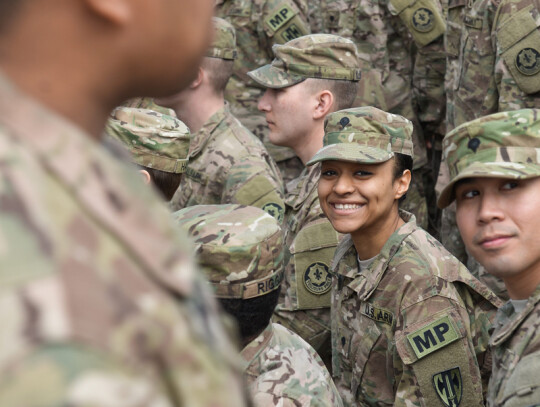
(101, 304)
(503, 145)
(516, 355)
(411, 329)
(259, 24)
(283, 370)
(240, 248)
(500, 59)
(224, 43)
(321, 56)
(364, 134)
(154, 139)
(304, 303)
(229, 165)
(148, 103)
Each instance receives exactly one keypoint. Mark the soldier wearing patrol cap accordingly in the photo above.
(259, 25)
(403, 40)
(309, 77)
(410, 324)
(240, 249)
(157, 142)
(227, 163)
(494, 172)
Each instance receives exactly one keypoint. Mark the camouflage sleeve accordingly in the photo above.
(517, 61)
(437, 356)
(282, 21)
(249, 183)
(428, 88)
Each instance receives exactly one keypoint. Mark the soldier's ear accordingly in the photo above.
(325, 103)
(114, 11)
(145, 176)
(401, 184)
(198, 80)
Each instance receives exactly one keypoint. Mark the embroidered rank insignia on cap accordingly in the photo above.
(423, 20)
(279, 17)
(377, 314)
(317, 278)
(433, 337)
(275, 210)
(528, 61)
(449, 386)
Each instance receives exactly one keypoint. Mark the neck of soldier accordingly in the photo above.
(196, 106)
(311, 142)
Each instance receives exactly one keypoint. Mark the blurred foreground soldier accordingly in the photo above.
(495, 180)
(227, 164)
(101, 305)
(240, 250)
(157, 143)
(410, 324)
(309, 77)
(260, 24)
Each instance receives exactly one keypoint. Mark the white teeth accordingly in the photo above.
(347, 206)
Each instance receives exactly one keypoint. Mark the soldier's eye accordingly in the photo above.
(328, 173)
(510, 185)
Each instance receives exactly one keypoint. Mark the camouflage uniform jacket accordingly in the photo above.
(259, 24)
(413, 81)
(283, 370)
(500, 59)
(228, 164)
(304, 305)
(101, 305)
(411, 329)
(516, 356)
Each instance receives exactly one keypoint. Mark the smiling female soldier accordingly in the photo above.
(410, 324)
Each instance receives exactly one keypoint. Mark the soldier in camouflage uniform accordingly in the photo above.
(494, 172)
(158, 143)
(240, 250)
(403, 40)
(101, 302)
(410, 324)
(260, 24)
(326, 80)
(227, 164)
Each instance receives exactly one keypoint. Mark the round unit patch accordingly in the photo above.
(528, 61)
(423, 20)
(317, 278)
(275, 210)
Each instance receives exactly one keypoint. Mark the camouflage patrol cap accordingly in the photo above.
(155, 140)
(224, 43)
(322, 56)
(240, 248)
(501, 145)
(364, 135)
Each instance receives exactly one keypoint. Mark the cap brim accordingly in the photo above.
(351, 152)
(271, 77)
(508, 170)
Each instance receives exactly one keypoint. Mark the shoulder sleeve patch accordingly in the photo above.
(433, 337)
(279, 17)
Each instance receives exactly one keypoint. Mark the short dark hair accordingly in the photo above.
(252, 315)
(166, 182)
(344, 91)
(219, 71)
(402, 162)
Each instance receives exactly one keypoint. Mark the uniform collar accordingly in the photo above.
(507, 321)
(300, 189)
(366, 282)
(201, 138)
(253, 350)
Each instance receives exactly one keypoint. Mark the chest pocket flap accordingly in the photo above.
(519, 42)
(423, 19)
